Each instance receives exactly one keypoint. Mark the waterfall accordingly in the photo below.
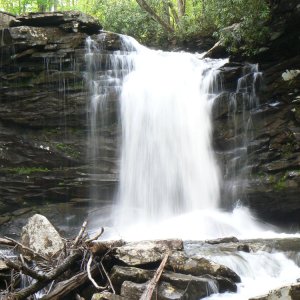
(167, 164)
(169, 181)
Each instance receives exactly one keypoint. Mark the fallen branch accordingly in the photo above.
(88, 269)
(95, 237)
(7, 242)
(80, 234)
(147, 294)
(26, 249)
(50, 276)
(63, 288)
(101, 247)
(108, 279)
(24, 269)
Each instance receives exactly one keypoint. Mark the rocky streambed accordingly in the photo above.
(125, 270)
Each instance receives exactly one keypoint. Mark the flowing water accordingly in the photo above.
(169, 181)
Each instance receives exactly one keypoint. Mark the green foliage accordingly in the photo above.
(68, 150)
(241, 23)
(128, 18)
(26, 170)
(167, 20)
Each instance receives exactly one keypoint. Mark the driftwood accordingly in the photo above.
(63, 288)
(50, 276)
(15, 243)
(74, 266)
(147, 294)
(102, 247)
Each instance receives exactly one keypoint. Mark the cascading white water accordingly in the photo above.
(167, 164)
(169, 180)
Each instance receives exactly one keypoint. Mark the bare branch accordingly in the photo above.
(147, 294)
(82, 230)
(144, 5)
(26, 249)
(88, 269)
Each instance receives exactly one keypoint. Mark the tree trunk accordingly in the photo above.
(144, 5)
(181, 4)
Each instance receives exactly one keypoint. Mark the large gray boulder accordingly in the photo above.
(40, 235)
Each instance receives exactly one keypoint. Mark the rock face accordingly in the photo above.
(268, 163)
(275, 183)
(40, 235)
(44, 103)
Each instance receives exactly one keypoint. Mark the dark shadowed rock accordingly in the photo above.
(230, 239)
(189, 286)
(72, 21)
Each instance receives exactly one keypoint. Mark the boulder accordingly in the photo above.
(146, 252)
(291, 292)
(132, 282)
(163, 291)
(217, 51)
(229, 239)
(5, 19)
(73, 21)
(197, 266)
(40, 235)
(107, 296)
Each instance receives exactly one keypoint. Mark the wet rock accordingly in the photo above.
(120, 274)
(40, 235)
(146, 252)
(43, 110)
(5, 19)
(3, 266)
(71, 20)
(4, 219)
(194, 287)
(291, 292)
(230, 239)
(107, 296)
(198, 266)
(217, 51)
(244, 248)
(164, 290)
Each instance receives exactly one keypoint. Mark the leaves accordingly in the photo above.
(155, 22)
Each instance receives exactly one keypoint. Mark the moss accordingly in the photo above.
(26, 170)
(68, 150)
(281, 183)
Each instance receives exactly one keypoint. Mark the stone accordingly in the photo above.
(291, 292)
(107, 296)
(198, 266)
(230, 239)
(3, 266)
(40, 235)
(164, 291)
(146, 252)
(132, 281)
(217, 51)
(5, 19)
(73, 19)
